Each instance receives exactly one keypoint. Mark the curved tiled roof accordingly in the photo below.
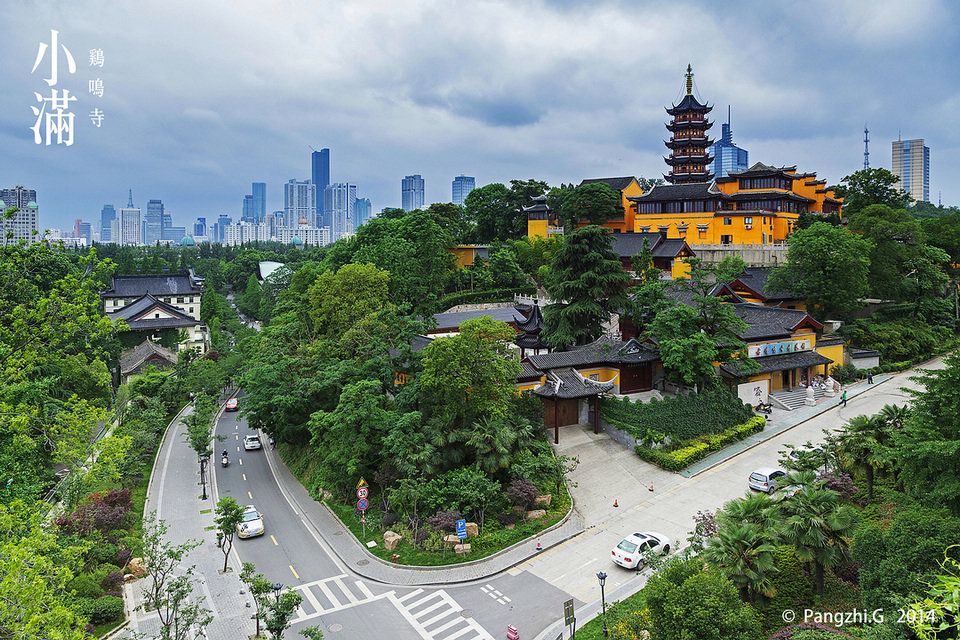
(617, 184)
(771, 322)
(780, 362)
(687, 191)
(604, 350)
(134, 314)
(177, 284)
(569, 384)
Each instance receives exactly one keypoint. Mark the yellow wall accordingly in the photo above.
(464, 256)
(537, 228)
(680, 269)
(603, 374)
(529, 386)
(835, 353)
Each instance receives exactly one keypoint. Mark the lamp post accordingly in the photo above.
(277, 588)
(602, 577)
(204, 457)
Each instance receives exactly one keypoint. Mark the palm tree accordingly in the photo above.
(492, 440)
(746, 554)
(816, 525)
(862, 442)
(754, 508)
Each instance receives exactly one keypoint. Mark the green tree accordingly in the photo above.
(863, 442)
(865, 187)
(818, 525)
(828, 267)
(342, 300)
(199, 423)
(649, 183)
(927, 446)
(170, 585)
(280, 612)
(259, 588)
(897, 240)
(249, 301)
(587, 285)
(227, 517)
(472, 373)
(937, 616)
(746, 554)
(592, 203)
(491, 209)
(36, 567)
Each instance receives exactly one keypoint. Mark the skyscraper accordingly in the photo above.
(911, 164)
(299, 201)
(249, 209)
(320, 161)
(462, 185)
(411, 191)
(154, 222)
(107, 215)
(259, 190)
(129, 227)
(361, 212)
(25, 224)
(222, 222)
(200, 227)
(338, 201)
(727, 157)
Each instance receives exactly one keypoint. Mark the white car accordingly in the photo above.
(252, 523)
(251, 442)
(765, 479)
(629, 553)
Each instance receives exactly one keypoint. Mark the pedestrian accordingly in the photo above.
(869, 377)
(843, 398)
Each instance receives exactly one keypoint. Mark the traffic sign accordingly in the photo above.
(362, 504)
(568, 612)
(362, 483)
(362, 492)
(461, 529)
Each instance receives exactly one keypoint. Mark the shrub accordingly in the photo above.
(113, 580)
(102, 511)
(86, 585)
(683, 456)
(389, 519)
(808, 631)
(523, 493)
(105, 609)
(845, 373)
(507, 519)
(103, 553)
(123, 557)
(794, 587)
(445, 520)
(840, 482)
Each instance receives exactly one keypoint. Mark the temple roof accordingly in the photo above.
(604, 350)
(617, 184)
(689, 103)
(568, 384)
(133, 358)
(159, 285)
(688, 191)
(539, 204)
(135, 314)
(528, 372)
(771, 322)
(532, 322)
(760, 169)
(627, 245)
(779, 362)
(754, 280)
(770, 193)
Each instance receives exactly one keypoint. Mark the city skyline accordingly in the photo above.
(555, 107)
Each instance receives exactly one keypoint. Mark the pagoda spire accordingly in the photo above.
(689, 144)
(689, 80)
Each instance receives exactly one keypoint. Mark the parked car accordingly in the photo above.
(252, 523)
(629, 553)
(765, 479)
(251, 442)
(232, 405)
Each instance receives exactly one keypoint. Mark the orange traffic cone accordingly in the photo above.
(651, 486)
(539, 546)
(615, 505)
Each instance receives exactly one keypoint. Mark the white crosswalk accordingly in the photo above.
(436, 616)
(329, 595)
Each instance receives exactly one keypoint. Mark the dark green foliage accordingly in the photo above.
(899, 340)
(793, 587)
(679, 456)
(867, 187)
(681, 417)
(104, 609)
(490, 295)
(102, 553)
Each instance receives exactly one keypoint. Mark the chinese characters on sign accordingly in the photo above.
(55, 121)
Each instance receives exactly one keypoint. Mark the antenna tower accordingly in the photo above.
(130, 200)
(866, 147)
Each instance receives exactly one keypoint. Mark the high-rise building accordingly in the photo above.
(689, 158)
(222, 223)
(338, 201)
(411, 191)
(462, 185)
(200, 227)
(361, 212)
(107, 215)
(299, 201)
(25, 223)
(129, 227)
(81, 229)
(249, 213)
(259, 190)
(911, 164)
(154, 222)
(320, 163)
(727, 157)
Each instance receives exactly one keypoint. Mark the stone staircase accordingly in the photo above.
(795, 399)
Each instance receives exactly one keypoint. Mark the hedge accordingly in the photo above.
(490, 295)
(681, 417)
(682, 457)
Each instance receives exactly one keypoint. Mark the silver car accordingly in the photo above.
(765, 479)
(251, 524)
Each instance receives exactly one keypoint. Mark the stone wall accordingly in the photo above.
(755, 255)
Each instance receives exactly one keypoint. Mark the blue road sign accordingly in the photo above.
(461, 529)
(362, 504)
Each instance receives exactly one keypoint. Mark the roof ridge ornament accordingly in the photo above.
(689, 80)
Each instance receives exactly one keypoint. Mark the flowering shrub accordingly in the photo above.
(698, 449)
(102, 511)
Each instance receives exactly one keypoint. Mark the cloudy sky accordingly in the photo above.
(201, 98)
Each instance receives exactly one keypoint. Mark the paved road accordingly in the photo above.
(292, 553)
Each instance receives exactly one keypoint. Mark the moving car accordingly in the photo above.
(251, 442)
(231, 405)
(252, 523)
(765, 479)
(629, 553)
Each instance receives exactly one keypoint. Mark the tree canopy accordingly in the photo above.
(865, 187)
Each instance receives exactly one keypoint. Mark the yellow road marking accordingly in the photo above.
(249, 496)
(291, 570)
(244, 476)
(274, 541)
(241, 461)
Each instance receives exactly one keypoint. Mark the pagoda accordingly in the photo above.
(689, 145)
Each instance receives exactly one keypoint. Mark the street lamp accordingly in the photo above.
(204, 457)
(602, 577)
(277, 588)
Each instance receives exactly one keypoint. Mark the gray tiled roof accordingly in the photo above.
(133, 358)
(617, 184)
(528, 372)
(770, 322)
(604, 350)
(780, 362)
(144, 304)
(830, 342)
(178, 284)
(755, 279)
(627, 245)
(569, 384)
(688, 191)
(453, 319)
